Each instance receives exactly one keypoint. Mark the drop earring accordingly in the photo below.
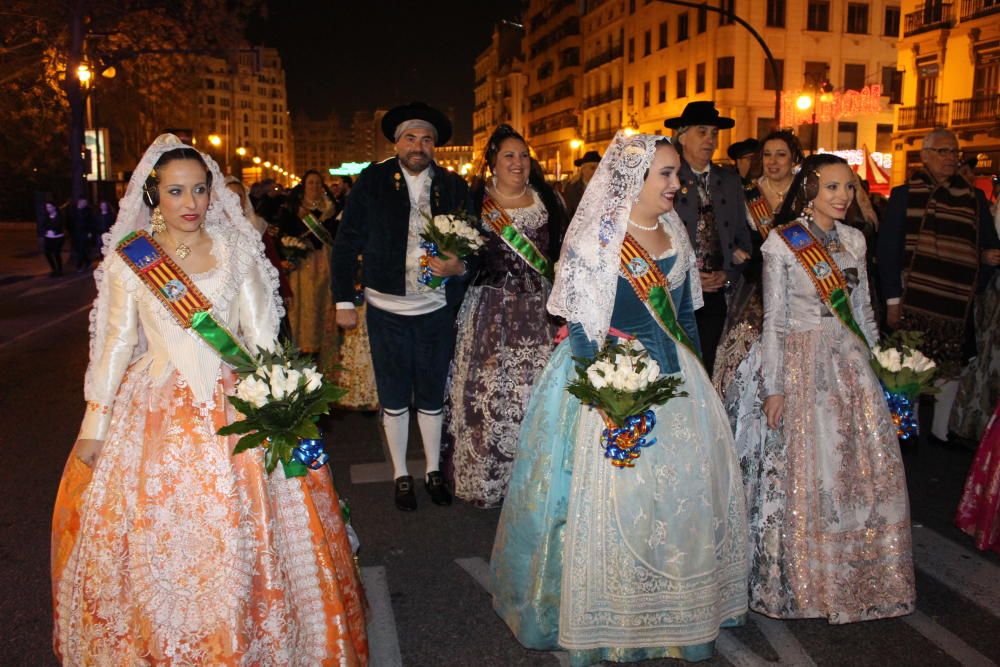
(157, 221)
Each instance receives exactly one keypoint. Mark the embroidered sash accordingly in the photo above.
(317, 229)
(653, 290)
(761, 213)
(179, 295)
(824, 273)
(496, 217)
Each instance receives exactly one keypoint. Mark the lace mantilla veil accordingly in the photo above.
(224, 220)
(587, 272)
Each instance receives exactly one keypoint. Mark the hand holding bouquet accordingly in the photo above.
(905, 373)
(281, 396)
(294, 250)
(454, 234)
(624, 382)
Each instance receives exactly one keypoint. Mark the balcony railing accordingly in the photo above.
(552, 123)
(923, 116)
(976, 110)
(930, 16)
(606, 57)
(973, 9)
(602, 98)
(601, 135)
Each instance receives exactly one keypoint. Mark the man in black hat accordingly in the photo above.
(586, 166)
(410, 325)
(711, 204)
(744, 154)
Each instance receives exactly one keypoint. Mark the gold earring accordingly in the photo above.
(157, 221)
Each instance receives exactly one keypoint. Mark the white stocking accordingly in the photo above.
(430, 432)
(397, 431)
(943, 404)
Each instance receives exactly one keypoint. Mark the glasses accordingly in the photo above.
(946, 152)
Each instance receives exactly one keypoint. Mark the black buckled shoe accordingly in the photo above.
(437, 489)
(406, 500)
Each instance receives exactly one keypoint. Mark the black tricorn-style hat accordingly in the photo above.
(743, 148)
(589, 156)
(416, 111)
(700, 113)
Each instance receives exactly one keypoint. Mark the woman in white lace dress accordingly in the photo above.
(168, 549)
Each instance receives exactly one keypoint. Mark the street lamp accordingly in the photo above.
(808, 101)
(215, 140)
(632, 127)
(241, 151)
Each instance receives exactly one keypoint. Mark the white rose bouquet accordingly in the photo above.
(624, 382)
(281, 396)
(294, 250)
(453, 234)
(905, 373)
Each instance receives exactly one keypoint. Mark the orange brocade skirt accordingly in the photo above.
(172, 551)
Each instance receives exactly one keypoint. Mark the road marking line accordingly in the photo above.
(946, 640)
(45, 326)
(35, 291)
(383, 639)
(958, 568)
(781, 639)
(736, 653)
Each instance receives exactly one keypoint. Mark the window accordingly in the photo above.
(661, 90)
(631, 96)
(883, 138)
(210, 99)
(647, 43)
(682, 83)
(645, 94)
(702, 20)
(725, 72)
(818, 16)
(892, 84)
(847, 136)
(815, 72)
(776, 13)
(764, 126)
(769, 81)
(805, 135)
(891, 23)
(857, 18)
(631, 6)
(728, 8)
(631, 49)
(854, 76)
(699, 78)
(663, 35)
(682, 27)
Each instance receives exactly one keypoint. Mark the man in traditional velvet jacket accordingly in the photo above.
(712, 205)
(410, 325)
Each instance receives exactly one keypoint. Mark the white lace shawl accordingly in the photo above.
(236, 246)
(587, 272)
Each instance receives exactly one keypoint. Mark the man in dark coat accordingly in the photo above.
(410, 325)
(711, 204)
(586, 166)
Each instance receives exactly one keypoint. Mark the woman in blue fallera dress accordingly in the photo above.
(624, 564)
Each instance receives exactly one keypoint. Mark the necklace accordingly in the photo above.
(645, 229)
(779, 194)
(496, 190)
(182, 250)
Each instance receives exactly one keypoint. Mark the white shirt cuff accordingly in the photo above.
(894, 301)
(345, 305)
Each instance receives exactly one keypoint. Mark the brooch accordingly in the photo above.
(397, 177)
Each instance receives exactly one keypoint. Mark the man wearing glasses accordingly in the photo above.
(937, 247)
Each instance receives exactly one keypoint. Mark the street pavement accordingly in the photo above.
(425, 572)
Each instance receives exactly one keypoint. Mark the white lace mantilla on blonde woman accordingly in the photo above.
(171, 550)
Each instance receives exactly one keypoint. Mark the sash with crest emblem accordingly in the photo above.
(179, 295)
(824, 273)
(652, 288)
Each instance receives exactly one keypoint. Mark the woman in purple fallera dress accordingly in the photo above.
(504, 333)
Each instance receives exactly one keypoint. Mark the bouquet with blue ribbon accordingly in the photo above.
(905, 373)
(454, 234)
(281, 396)
(624, 382)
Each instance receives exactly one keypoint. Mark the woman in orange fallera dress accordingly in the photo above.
(166, 548)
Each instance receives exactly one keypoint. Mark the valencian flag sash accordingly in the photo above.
(179, 295)
(760, 210)
(317, 229)
(502, 226)
(824, 273)
(652, 288)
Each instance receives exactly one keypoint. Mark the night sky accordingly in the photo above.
(367, 54)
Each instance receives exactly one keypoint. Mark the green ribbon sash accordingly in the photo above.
(317, 229)
(653, 290)
(498, 220)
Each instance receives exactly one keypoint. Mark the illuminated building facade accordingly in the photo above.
(949, 53)
(603, 64)
(318, 144)
(500, 85)
(458, 159)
